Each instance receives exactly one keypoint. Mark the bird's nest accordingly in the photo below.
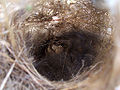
(55, 44)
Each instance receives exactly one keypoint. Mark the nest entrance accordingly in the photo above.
(65, 56)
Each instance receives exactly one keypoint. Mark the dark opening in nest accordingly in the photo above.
(62, 57)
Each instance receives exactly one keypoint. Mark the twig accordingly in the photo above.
(7, 76)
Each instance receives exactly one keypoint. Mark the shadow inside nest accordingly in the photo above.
(65, 56)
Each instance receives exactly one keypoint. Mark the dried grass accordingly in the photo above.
(16, 69)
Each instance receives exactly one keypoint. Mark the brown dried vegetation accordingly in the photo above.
(68, 53)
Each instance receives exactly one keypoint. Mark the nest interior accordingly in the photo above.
(63, 57)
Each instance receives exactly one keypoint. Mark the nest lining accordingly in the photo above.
(62, 57)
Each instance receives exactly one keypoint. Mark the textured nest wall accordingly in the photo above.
(56, 45)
